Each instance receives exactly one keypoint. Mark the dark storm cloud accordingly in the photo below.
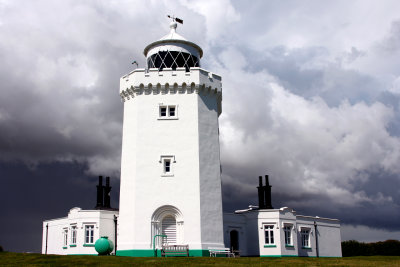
(310, 97)
(49, 192)
(326, 123)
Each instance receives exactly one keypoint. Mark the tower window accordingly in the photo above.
(167, 166)
(168, 112)
(172, 111)
(166, 162)
(163, 111)
(172, 59)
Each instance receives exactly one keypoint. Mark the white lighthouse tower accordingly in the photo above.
(170, 166)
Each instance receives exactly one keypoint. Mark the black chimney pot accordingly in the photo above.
(99, 204)
(267, 193)
(261, 203)
(107, 190)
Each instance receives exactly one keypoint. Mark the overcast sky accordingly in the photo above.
(311, 96)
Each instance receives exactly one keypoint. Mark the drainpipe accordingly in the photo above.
(115, 234)
(316, 238)
(47, 236)
(154, 244)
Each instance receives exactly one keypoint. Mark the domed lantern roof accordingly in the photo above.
(173, 51)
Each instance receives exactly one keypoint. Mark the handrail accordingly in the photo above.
(154, 244)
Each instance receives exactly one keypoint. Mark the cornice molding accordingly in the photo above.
(183, 88)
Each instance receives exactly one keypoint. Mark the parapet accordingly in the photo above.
(153, 81)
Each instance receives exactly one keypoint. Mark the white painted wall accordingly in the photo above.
(103, 220)
(192, 139)
(210, 171)
(329, 239)
(236, 222)
(269, 217)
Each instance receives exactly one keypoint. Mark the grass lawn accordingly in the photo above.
(22, 259)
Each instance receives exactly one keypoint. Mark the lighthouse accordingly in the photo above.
(170, 187)
(170, 190)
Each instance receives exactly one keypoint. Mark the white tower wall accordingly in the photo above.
(190, 140)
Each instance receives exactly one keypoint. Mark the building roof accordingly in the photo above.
(171, 38)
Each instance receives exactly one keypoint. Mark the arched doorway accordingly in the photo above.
(167, 221)
(234, 237)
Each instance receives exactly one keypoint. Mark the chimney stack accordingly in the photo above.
(267, 193)
(107, 190)
(264, 194)
(99, 204)
(260, 188)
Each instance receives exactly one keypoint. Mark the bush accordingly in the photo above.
(1, 249)
(383, 248)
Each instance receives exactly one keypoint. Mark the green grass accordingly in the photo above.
(22, 259)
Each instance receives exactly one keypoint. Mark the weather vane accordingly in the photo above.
(175, 19)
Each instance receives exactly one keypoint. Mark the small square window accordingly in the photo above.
(168, 112)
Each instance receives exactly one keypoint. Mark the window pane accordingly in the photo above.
(163, 111)
(272, 236)
(172, 111)
(167, 166)
(168, 60)
(269, 234)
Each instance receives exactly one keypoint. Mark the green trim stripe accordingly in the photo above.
(272, 256)
(83, 254)
(150, 253)
(88, 245)
(277, 256)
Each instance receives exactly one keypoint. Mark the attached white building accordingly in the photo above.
(268, 232)
(77, 233)
(281, 233)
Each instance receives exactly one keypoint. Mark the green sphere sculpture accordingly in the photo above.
(104, 246)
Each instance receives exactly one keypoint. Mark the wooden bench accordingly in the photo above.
(220, 251)
(175, 250)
